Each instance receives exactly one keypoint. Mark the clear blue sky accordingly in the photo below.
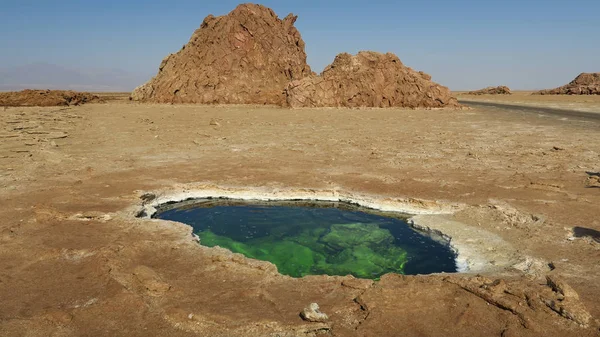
(466, 44)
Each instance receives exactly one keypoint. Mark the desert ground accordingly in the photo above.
(76, 261)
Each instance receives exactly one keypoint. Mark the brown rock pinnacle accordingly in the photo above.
(245, 57)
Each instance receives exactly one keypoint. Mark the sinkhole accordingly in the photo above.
(315, 238)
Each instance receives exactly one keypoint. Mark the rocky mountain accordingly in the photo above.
(250, 56)
(369, 79)
(246, 57)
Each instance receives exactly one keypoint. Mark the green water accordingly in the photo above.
(313, 239)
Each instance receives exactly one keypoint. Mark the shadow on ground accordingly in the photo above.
(582, 232)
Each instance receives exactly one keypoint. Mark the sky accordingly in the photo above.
(525, 44)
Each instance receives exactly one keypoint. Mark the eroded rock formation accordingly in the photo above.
(245, 57)
(30, 97)
(369, 79)
(500, 90)
(584, 84)
(250, 56)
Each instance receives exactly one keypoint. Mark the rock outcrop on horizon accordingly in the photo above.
(250, 56)
(369, 79)
(29, 97)
(584, 84)
(499, 90)
(246, 57)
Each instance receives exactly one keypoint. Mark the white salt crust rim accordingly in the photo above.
(477, 250)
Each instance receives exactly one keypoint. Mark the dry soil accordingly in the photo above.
(74, 261)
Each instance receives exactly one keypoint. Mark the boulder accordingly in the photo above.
(500, 90)
(584, 84)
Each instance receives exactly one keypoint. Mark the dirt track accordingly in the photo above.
(74, 262)
(540, 111)
(586, 103)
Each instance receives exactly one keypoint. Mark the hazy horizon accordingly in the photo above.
(464, 45)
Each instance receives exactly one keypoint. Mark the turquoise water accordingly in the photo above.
(315, 238)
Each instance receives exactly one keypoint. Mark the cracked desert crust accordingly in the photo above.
(74, 260)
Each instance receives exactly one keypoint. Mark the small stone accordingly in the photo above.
(214, 122)
(499, 286)
(313, 314)
(190, 316)
(53, 144)
(57, 135)
(147, 197)
(593, 181)
(560, 286)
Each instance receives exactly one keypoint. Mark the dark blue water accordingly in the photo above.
(303, 238)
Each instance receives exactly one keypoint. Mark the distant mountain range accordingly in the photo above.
(51, 76)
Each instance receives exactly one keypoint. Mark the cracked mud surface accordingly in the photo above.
(74, 262)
